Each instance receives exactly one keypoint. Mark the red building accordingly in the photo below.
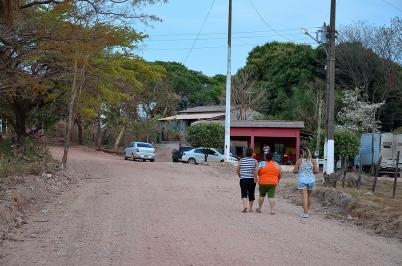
(283, 138)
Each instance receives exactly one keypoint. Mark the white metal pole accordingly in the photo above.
(228, 87)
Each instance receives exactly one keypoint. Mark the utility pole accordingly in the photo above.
(228, 87)
(322, 39)
(331, 93)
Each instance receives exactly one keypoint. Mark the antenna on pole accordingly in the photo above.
(228, 88)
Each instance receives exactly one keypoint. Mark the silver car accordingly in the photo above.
(197, 155)
(140, 150)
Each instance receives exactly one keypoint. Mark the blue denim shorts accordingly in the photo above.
(309, 186)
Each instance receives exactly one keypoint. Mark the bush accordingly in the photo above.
(26, 158)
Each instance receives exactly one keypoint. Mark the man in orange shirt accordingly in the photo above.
(269, 174)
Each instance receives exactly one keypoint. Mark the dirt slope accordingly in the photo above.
(164, 213)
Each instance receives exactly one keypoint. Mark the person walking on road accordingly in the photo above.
(247, 171)
(266, 150)
(269, 174)
(305, 168)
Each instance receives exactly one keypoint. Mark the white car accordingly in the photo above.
(196, 155)
(140, 150)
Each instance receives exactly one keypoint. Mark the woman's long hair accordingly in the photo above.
(305, 153)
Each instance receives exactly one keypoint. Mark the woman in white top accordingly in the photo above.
(305, 168)
(247, 171)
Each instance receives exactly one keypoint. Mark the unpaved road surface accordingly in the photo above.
(164, 213)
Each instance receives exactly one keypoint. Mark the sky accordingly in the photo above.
(195, 32)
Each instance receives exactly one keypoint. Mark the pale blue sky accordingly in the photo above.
(254, 22)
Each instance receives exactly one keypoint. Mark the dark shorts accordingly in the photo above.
(247, 188)
(267, 189)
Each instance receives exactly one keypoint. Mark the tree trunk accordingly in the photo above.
(74, 92)
(80, 130)
(9, 11)
(98, 133)
(372, 146)
(121, 133)
(20, 121)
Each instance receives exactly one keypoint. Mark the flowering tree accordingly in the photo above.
(356, 113)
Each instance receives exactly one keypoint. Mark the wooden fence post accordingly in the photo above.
(345, 167)
(359, 177)
(376, 174)
(396, 174)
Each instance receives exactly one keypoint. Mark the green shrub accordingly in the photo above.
(28, 158)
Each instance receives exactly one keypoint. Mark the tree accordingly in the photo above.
(282, 71)
(192, 87)
(52, 46)
(370, 58)
(346, 143)
(206, 135)
(356, 113)
(242, 99)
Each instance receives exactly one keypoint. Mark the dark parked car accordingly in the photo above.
(177, 153)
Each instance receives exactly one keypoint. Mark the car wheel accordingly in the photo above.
(152, 160)
(175, 160)
(191, 161)
(132, 157)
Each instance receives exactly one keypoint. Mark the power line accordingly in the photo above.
(265, 22)
(217, 38)
(213, 47)
(202, 27)
(391, 5)
(235, 32)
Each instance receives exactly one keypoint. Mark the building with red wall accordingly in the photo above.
(283, 138)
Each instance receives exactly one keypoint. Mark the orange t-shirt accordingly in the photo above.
(268, 173)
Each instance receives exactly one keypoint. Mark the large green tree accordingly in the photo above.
(283, 74)
(192, 87)
(206, 135)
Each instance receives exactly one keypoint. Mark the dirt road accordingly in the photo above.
(164, 213)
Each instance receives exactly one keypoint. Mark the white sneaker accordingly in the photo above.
(304, 215)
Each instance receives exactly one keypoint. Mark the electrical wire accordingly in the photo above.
(202, 27)
(213, 47)
(391, 5)
(217, 38)
(235, 32)
(265, 22)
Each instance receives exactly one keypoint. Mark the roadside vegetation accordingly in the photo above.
(72, 73)
(27, 158)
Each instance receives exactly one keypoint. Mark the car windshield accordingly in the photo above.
(144, 145)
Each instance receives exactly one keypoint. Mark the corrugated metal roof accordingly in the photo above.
(261, 123)
(203, 109)
(194, 116)
(267, 123)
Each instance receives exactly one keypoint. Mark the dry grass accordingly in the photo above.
(379, 211)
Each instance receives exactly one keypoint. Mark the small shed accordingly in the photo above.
(283, 138)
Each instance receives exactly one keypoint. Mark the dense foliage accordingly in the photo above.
(191, 87)
(207, 135)
(74, 66)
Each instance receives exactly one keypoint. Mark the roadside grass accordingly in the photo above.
(378, 210)
(26, 158)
